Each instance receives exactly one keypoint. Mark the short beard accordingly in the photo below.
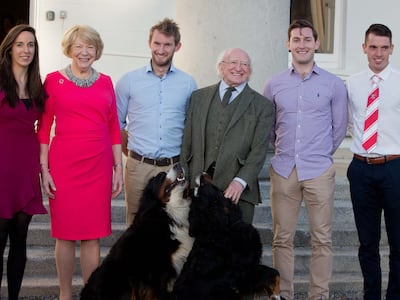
(163, 64)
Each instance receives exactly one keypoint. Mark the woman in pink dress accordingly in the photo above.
(22, 99)
(82, 167)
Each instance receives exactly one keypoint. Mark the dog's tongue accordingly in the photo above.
(180, 172)
(181, 176)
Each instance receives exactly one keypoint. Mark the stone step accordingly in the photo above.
(40, 281)
(342, 213)
(39, 235)
(41, 260)
(345, 260)
(42, 288)
(341, 192)
(343, 208)
(343, 235)
(342, 286)
(117, 212)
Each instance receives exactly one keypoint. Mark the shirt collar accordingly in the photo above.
(315, 69)
(384, 74)
(223, 86)
(149, 69)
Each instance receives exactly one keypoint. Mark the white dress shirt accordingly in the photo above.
(358, 87)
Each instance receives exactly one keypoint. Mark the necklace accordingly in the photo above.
(79, 81)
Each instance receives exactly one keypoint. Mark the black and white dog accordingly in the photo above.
(145, 261)
(224, 262)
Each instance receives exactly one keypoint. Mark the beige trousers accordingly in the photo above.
(137, 175)
(286, 198)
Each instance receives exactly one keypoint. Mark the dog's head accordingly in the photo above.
(175, 195)
(210, 211)
(163, 188)
(171, 185)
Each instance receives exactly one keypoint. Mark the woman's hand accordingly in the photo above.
(47, 182)
(117, 180)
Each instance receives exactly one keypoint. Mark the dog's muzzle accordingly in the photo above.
(180, 178)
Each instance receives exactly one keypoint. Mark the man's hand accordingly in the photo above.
(234, 191)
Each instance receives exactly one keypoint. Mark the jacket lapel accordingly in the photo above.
(244, 102)
(202, 108)
(205, 106)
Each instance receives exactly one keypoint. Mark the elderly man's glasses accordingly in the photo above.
(235, 63)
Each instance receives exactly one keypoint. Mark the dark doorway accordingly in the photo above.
(12, 13)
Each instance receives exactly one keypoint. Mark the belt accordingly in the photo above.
(376, 160)
(160, 162)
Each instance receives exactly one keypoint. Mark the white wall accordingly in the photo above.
(207, 27)
(123, 25)
(360, 15)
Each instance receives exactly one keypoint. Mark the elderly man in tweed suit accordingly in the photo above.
(228, 127)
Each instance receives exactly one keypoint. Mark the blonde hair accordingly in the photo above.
(87, 34)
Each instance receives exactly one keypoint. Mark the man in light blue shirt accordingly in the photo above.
(152, 103)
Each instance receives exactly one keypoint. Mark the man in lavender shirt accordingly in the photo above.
(310, 123)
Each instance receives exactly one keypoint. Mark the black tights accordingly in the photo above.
(16, 230)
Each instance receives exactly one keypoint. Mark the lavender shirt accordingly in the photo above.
(310, 121)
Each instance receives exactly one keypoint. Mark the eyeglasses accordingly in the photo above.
(235, 63)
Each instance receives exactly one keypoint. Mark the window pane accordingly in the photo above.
(322, 14)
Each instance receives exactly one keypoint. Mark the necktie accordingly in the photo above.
(227, 95)
(370, 135)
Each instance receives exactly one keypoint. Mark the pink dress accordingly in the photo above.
(80, 155)
(19, 161)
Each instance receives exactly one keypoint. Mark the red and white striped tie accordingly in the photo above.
(370, 135)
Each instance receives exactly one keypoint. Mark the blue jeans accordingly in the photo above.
(373, 189)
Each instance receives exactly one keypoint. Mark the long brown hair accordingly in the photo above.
(8, 82)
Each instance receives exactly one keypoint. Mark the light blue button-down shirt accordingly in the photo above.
(310, 121)
(153, 110)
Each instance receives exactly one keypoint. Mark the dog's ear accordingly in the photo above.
(211, 169)
(153, 186)
(205, 177)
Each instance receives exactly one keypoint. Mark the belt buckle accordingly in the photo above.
(368, 160)
(159, 162)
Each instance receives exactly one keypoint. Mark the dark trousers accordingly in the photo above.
(373, 189)
(247, 209)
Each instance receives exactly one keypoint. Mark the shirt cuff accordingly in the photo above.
(241, 181)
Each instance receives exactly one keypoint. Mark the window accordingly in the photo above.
(327, 17)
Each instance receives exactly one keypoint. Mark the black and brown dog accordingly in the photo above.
(145, 261)
(224, 262)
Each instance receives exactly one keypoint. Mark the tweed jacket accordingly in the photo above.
(244, 143)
